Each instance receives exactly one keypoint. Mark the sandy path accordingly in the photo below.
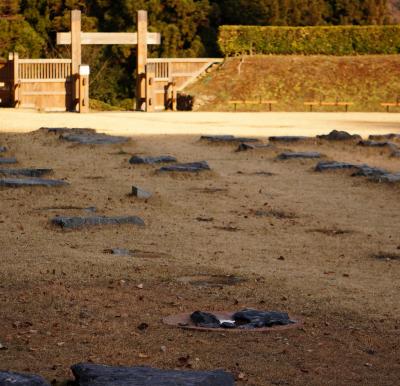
(260, 124)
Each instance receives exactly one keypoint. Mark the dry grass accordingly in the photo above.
(64, 300)
(291, 80)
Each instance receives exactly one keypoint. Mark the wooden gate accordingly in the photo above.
(43, 84)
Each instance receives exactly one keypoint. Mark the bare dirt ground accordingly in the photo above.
(313, 253)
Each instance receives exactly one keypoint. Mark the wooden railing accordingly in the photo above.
(43, 70)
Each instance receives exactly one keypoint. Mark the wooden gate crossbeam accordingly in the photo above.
(92, 38)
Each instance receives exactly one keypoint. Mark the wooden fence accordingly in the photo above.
(174, 74)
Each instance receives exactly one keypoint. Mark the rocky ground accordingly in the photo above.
(254, 231)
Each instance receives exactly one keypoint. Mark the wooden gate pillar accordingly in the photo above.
(76, 55)
(84, 72)
(150, 88)
(141, 59)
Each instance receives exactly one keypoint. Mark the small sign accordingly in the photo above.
(84, 70)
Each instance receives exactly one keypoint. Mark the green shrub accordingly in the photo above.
(331, 40)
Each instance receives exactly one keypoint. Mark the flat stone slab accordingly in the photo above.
(67, 222)
(289, 138)
(119, 251)
(88, 374)
(94, 139)
(248, 146)
(67, 130)
(227, 138)
(334, 165)
(382, 137)
(18, 379)
(190, 167)
(370, 171)
(304, 155)
(25, 172)
(140, 193)
(336, 135)
(388, 177)
(136, 160)
(22, 182)
(395, 154)
(370, 143)
(4, 160)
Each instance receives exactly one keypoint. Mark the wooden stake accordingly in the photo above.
(15, 79)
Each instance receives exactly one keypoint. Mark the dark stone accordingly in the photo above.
(369, 171)
(388, 177)
(306, 155)
(188, 167)
(247, 146)
(382, 137)
(139, 193)
(18, 379)
(205, 319)
(21, 182)
(334, 165)
(152, 160)
(339, 136)
(66, 130)
(11, 160)
(119, 251)
(227, 138)
(288, 138)
(390, 145)
(94, 139)
(25, 172)
(3, 149)
(249, 318)
(78, 222)
(395, 154)
(88, 374)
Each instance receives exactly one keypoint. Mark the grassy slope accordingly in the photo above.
(364, 80)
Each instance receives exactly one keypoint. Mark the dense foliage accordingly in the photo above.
(188, 28)
(327, 40)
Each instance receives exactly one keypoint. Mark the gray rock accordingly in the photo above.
(248, 146)
(25, 172)
(119, 251)
(11, 160)
(334, 165)
(139, 193)
(227, 138)
(339, 136)
(66, 130)
(369, 143)
(381, 137)
(18, 379)
(3, 149)
(21, 182)
(306, 155)
(67, 222)
(88, 374)
(395, 154)
(152, 160)
(388, 177)
(94, 139)
(369, 171)
(187, 167)
(288, 138)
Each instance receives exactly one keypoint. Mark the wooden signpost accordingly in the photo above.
(76, 38)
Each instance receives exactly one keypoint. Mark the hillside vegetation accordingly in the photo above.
(291, 80)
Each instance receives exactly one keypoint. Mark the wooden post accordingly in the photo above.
(15, 78)
(150, 88)
(76, 55)
(83, 89)
(141, 59)
(174, 97)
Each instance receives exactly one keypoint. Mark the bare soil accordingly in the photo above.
(331, 258)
